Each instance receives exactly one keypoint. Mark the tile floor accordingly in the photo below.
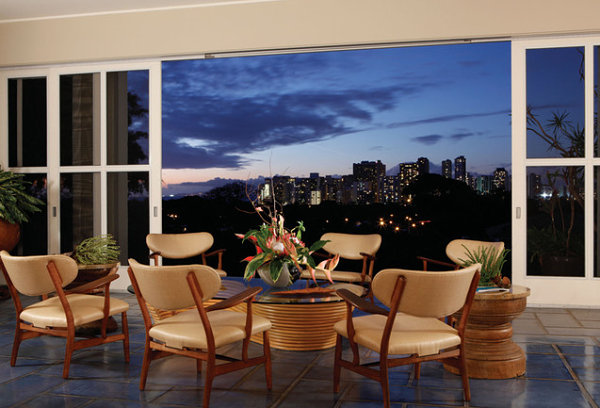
(563, 370)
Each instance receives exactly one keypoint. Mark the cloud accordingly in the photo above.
(462, 135)
(446, 118)
(428, 139)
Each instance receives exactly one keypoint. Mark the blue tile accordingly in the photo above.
(580, 350)
(24, 388)
(537, 348)
(546, 366)
(526, 393)
(57, 401)
(594, 389)
(583, 361)
(117, 390)
(587, 373)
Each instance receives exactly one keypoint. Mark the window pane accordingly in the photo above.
(596, 96)
(27, 122)
(34, 234)
(596, 220)
(128, 213)
(77, 208)
(127, 117)
(555, 223)
(79, 124)
(555, 102)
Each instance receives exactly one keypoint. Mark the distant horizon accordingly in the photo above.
(292, 114)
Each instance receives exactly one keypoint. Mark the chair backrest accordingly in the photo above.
(30, 276)
(426, 294)
(350, 246)
(455, 250)
(179, 246)
(166, 287)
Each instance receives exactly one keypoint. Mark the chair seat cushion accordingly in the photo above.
(342, 276)
(85, 308)
(186, 330)
(410, 334)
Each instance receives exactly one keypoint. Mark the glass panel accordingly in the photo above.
(79, 124)
(27, 122)
(127, 117)
(77, 208)
(596, 97)
(555, 102)
(34, 234)
(128, 213)
(596, 222)
(555, 227)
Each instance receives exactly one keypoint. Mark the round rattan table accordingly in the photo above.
(302, 319)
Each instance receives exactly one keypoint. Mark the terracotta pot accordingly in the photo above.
(9, 235)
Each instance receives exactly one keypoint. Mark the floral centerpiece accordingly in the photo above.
(280, 250)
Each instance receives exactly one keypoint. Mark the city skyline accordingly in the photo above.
(240, 118)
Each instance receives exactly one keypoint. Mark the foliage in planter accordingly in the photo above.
(100, 249)
(492, 260)
(15, 203)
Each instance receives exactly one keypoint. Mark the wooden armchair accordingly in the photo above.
(181, 246)
(455, 251)
(416, 301)
(354, 247)
(61, 314)
(196, 333)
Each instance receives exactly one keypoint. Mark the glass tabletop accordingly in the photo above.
(297, 293)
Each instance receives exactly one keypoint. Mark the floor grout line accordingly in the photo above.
(588, 397)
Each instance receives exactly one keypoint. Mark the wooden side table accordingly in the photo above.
(489, 349)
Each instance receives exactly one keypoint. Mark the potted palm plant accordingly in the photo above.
(492, 260)
(16, 204)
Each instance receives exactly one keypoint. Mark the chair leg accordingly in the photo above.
(126, 334)
(210, 375)
(385, 382)
(417, 371)
(16, 344)
(198, 366)
(69, 351)
(464, 375)
(267, 353)
(337, 368)
(145, 364)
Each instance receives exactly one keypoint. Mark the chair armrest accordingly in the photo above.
(321, 254)
(360, 303)
(435, 261)
(86, 287)
(234, 300)
(215, 252)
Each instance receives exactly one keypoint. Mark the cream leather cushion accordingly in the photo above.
(343, 276)
(410, 334)
(85, 308)
(186, 330)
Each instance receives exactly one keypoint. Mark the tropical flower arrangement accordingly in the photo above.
(277, 246)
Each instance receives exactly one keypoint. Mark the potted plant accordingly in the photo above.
(15, 207)
(492, 260)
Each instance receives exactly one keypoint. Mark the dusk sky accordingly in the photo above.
(245, 117)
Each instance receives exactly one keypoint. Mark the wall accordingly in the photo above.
(283, 24)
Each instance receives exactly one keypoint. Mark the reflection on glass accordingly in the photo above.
(77, 208)
(555, 102)
(34, 234)
(555, 221)
(128, 213)
(27, 122)
(79, 124)
(127, 117)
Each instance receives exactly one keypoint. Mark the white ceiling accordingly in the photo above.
(34, 9)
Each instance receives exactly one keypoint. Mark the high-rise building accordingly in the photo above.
(460, 169)
(390, 190)
(367, 176)
(534, 187)
(447, 168)
(423, 165)
(407, 173)
(284, 189)
(484, 184)
(500, 179)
